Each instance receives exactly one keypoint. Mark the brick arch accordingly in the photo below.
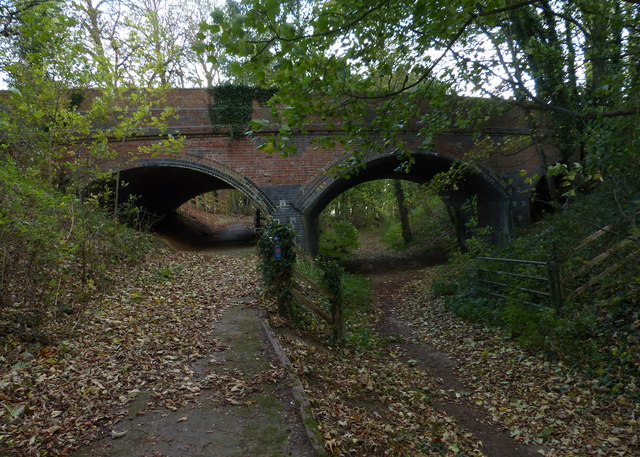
(493, 192)
(194, 178)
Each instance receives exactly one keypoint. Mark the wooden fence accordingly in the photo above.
(602, 261)
(310, 294)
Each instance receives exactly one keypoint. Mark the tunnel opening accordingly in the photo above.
(386, 224)
(168, 201)
(476, 188)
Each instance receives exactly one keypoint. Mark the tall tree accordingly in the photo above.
(403, 211)
(573, 59)
(49, 69)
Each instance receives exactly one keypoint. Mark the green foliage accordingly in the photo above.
(277, 260)
(332, 274)
(323, 55)
(392, 236)
(429, 222)
(354, 294)
(52, 75)
(233, 106)
(373, 206)
(366, 206)
(597, 330)
(55, 252)
(542, 329)
(478, 237)
(339, 241)
(363, 337)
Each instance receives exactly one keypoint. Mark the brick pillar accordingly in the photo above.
(285, 212)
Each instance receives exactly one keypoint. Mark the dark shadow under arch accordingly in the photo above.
(162, 185)
(492, 192)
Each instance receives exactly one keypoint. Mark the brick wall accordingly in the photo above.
(213, 146)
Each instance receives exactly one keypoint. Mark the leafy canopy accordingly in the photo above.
(341, 59)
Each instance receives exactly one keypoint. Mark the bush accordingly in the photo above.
(598, 330)
(277, 259)
(355, 293)
(469, 305)
(340, 241)
(56, 251)
(429, 223)
(392, 236)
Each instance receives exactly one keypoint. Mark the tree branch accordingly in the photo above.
(340, 29)
(472, 18)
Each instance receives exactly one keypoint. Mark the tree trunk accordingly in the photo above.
(403, 212)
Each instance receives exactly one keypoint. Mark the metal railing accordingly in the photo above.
(538, 281)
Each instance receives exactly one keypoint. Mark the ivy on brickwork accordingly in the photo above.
(232, 106)
(75, 99)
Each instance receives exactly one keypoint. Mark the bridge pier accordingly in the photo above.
(286, 212)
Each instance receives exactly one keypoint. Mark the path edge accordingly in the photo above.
(302, 401)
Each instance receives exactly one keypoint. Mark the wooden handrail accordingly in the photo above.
(311, 305)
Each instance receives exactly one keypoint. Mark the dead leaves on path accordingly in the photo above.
(376, 404)
(143, 337)
(541, 402)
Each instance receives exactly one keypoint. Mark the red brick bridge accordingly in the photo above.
(295, 189)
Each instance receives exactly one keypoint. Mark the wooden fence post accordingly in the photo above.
(555, 286)
(337, 317)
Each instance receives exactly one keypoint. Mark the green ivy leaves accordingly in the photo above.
(233, 106)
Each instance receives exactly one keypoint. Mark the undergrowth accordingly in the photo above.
(56, 252)
(597, 328)
(356, 301)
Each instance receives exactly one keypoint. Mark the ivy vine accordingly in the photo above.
(332, 274)
(75, 100)
(232, 106)
(277, 260)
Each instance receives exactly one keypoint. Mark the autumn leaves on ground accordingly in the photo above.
(143, 336)
(370, 399)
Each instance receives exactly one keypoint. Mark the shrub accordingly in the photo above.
(55, 251)
(598, 330)
(340, 241)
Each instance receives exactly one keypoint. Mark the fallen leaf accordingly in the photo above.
(115, 434)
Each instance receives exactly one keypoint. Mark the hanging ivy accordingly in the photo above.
(75, 99)
(277, 259)
(332, 274)
(232, 106)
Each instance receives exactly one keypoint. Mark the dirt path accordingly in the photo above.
(186, 232)
(257, 417)
(496, 442)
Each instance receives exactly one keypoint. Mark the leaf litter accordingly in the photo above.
(541, 402)
(143, 336)
(377, 402)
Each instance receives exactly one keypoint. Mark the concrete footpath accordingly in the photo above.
(271, 419)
